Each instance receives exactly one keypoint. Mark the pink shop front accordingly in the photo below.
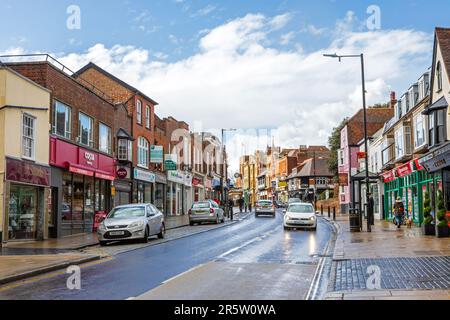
(80, 187)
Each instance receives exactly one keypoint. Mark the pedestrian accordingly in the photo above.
(230, 208)
(241, 204)
(399, 211)
(245, 205)
(250, 206)
(370, 210)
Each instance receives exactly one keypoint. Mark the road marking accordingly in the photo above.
(245, 244)
(182, 274)
(50, 275)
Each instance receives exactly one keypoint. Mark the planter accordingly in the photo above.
(442, 231)
(429, 229)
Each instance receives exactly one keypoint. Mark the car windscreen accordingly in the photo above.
(301, 208)
(201, 205)
(127, 212)
(264, 203)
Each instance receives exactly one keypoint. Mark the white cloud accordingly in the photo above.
(315, 31)
(236, 80)
(206, 10)
(286, 38)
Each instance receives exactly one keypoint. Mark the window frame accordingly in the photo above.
(91, 134)
(147, 116)
(67, 121)
(422, 129)
(143, 153)
(439, 76)
(139, 112)
(109, 146)
(32, 138)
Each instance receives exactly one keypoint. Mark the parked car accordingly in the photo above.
(280, 204)
(265, 207)
(130, 222)
(300, 215)
(206, 211)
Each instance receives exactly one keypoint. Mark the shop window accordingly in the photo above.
(23, 208)
(86, 130)
(89, 202)
(28, 133)
(66, 204)
(104, 138)
(62, 118)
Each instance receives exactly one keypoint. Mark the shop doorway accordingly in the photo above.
(53, 213)
(23, 209)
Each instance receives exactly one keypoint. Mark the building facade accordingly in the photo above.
(25, 195)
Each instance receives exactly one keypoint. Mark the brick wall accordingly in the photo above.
(68, 91)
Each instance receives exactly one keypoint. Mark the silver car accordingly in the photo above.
(206, 211)
(131, 222)
(265, 207)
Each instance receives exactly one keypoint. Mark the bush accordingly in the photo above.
(428, 218)
(441, 210)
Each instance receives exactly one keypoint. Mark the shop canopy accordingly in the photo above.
(360, 176)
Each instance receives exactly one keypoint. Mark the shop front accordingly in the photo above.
(123, 186)
(411, 183)
(179, 186)
(198, 187)
(26, 195)
(217, 188)
(144, 185)
(81, 181)
(160, 194)
(208, 189)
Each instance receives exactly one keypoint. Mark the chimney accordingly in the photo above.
(393, 99)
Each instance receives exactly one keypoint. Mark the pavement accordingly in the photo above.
(21, 260)
(388, 264)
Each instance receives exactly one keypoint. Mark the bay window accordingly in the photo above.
(124, 150)
(403, 144)
(419, 131)
(437, 127)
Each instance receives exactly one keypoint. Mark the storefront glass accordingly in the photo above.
(159, 197)
(23, 208)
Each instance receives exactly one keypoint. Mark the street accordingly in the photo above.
(252, 259)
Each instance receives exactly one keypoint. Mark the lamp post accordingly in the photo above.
(361, 57)
(222, 178)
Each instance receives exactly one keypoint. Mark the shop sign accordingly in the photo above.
(170, 162)
(419, 167)
(405, 169)
(87, 158)
(160, 178)
(388, 176)
(282, 184)
(156, 154)
(144, 175)
(176, 176)
(343, 179)
(26, 172)
(196, 181)
(437, 163)
(123, 173)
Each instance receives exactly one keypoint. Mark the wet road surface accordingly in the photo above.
(252, 242)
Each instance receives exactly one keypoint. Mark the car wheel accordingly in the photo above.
(217, 220)
(162, 232)
(223, 220)
(146, 235)
(286, 228)
(103, 243)
(191, 223)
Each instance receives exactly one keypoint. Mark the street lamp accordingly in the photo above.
(361, 56)
(223, 168)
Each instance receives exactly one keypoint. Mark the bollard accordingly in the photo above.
(329, 212)
(334, 213)
(321, 209)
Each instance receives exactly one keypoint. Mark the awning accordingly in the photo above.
(104, 175)
(76, 168)
(440, 104)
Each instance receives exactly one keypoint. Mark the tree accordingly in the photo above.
(334, 143)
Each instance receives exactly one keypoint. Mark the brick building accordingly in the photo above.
(86, 126)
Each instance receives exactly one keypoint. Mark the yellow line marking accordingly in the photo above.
(50, 275)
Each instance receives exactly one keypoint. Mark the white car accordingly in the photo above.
(300, 215)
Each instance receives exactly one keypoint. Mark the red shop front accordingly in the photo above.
(81, 186)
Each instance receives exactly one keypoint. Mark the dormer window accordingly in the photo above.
(439, 76)
(124, 146)
(399, 109)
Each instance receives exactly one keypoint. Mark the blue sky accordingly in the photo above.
(173, 26)
(247, 64)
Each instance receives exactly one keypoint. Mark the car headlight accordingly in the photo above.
(312, 218)
(137, 224)
(102, 226)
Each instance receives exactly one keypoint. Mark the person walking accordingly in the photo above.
(241, 204)
(399, 211)
(250, 206)
(230, 209)
(370, 210)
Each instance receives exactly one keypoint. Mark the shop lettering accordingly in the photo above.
(89, 156)
(440, 163)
